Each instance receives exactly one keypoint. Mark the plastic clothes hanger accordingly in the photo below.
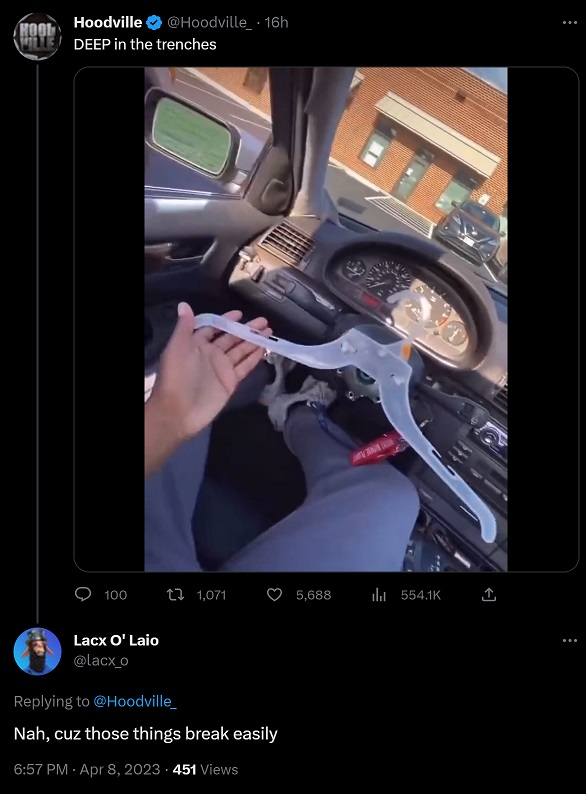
(388, 365)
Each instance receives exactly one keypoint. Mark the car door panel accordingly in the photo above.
(180, 218)
(195, 221)
(165, 173)
(164, 257)
(195, 240)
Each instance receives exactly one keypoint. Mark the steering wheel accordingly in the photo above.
(358, 383)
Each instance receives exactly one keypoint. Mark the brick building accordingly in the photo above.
(427, 136)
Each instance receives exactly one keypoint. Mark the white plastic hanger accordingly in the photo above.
(389, 366)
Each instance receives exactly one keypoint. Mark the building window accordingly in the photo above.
(376, 146)
(458, 190)
(354, 88)
(256, 78)
(412, 174)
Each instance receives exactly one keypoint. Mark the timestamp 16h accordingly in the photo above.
(276, 22)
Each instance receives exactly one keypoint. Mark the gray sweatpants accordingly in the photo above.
(353, 519)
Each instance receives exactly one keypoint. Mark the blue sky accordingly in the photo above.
(495, 75)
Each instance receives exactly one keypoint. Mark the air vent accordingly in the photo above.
(288, 244)
(501, 398)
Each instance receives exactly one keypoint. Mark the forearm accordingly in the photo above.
(162, 436)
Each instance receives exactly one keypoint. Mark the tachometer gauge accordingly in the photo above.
(440, 308)
(386, 278)
(454, 333)
(354, 269)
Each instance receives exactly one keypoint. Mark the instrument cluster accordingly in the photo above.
(371, 281)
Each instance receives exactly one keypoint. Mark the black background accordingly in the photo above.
(323, 674)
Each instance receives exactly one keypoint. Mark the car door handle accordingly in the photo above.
(158, 249)
(156, 255)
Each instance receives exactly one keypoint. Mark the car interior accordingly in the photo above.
(272, 243)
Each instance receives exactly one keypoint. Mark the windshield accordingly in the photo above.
(412, 142)
(480, 212)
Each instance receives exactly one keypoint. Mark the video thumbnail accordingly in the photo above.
(342, 402)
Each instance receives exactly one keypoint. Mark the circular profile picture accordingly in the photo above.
(37, 651)
(37, 37)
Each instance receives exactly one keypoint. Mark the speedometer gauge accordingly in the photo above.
(354, 269)
(440, 308)
(455, 333)
(386, 278)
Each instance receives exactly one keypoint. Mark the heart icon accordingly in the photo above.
(274, 593)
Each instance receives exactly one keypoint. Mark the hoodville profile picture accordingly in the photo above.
(37, 37)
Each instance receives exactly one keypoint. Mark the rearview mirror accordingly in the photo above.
(192, 136)
(503, 234)
(455, 203)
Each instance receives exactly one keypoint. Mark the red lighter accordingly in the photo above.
(386, 446)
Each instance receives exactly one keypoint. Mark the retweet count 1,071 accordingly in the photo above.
(211, 595)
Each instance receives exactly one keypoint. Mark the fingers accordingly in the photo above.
(185, 310)
(236, 349)
(242, 350)
(207, 334)
(235, 314)
(226, 341)
(245, 367)
(184, 328)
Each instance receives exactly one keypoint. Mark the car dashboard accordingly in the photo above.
(313, 278)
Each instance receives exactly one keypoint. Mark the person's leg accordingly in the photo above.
(171, 494)
(354, 518)
(169, 501)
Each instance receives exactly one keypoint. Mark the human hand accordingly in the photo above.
(199, 371)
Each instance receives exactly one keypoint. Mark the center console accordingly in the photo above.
(479, 455)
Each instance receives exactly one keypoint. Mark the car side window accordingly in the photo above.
(191, 136)
(191, 147)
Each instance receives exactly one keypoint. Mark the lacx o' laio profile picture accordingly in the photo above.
(37, 37)
(37, 651)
